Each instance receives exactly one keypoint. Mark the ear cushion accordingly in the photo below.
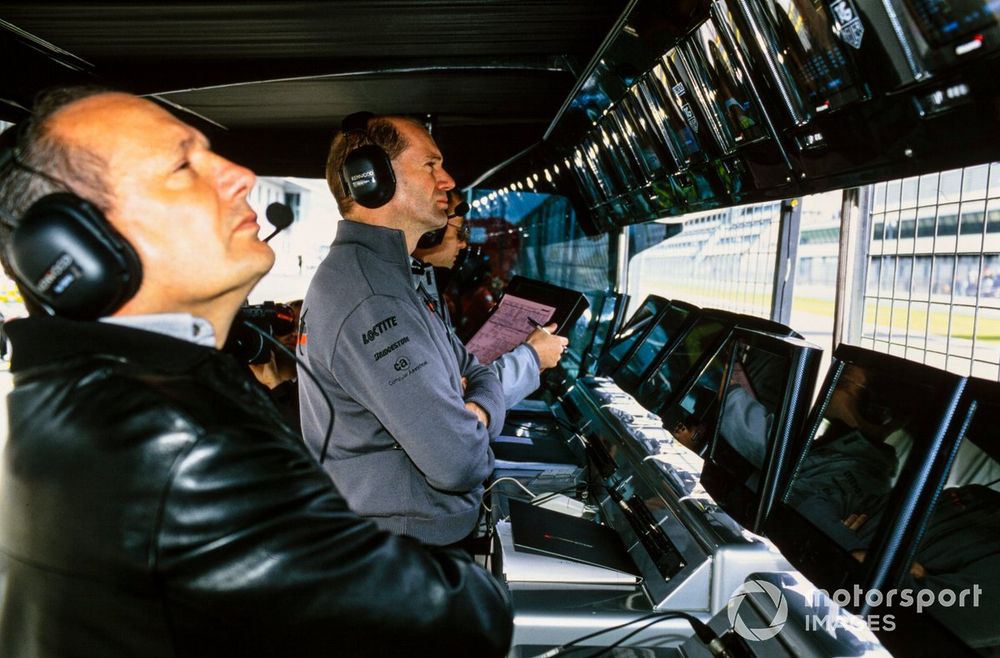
(431, 239)
(368, 177)
(71, 260)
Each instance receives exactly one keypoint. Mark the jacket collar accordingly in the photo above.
(43, 340)
(389, 244)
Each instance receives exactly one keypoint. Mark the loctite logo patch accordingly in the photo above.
(378, 329)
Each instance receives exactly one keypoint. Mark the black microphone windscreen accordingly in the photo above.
(279, 215)
(461, 210)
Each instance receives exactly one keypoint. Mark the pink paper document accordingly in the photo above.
(508, 326)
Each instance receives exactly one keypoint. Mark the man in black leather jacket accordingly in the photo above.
(152, 501)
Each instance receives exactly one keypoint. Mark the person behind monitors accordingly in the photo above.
(152, 503)
(520, 368)
(414, 411)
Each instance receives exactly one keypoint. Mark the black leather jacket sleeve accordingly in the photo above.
(252, 530)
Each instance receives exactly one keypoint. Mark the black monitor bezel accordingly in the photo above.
(748, 507)
(805, 546)
(693, 313)
(605, 367)
(618, 301)
(726, 317)
(921, 630)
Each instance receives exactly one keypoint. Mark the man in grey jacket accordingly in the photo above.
(414, 410)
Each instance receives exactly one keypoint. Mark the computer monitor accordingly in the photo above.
(692, 352)
(620, 348)
(604, 334)
(953, 31)
(665, 331)
(587, 344)
(687, 357)
(763, 402)
(950, 539)
(872, 433)
(722, 86)
(814, 70)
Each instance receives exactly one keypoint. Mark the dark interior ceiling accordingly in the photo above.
(276, 78)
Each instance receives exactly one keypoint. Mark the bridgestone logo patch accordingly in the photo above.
(399, 343)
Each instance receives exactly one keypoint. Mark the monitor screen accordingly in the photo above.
(944, 22)
(646, 114)
(721, 83)
(591, 190)
(802, 50)
(586, 158)
(650, 153)
(875, 424)
(699, 344)
(764, 399)
(666, 329)
(618, 146)
(951, 553)
(692, 351)
(607, 161)
(588, 344)
(668, 116)
(621, 346)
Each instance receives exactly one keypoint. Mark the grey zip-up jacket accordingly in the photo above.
(404, 451)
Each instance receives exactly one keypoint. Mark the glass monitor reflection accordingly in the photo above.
(954, 542)
(651, 156)
(647, 114)
(592, 191)
(619, 148)
(606, 311)
(625, 341)
(668, 115)
(665, 330)
(875, 424)
(721, 83)
(811, 63)
(694, 350)
(767, 385)
(691, 354)
(945, 22)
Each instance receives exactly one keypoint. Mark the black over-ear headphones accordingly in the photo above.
(366, 174)
(431, 239)
(64, 254)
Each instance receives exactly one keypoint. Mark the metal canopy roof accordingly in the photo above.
(276, 78)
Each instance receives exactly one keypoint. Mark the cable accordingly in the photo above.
(511, 479)
(549, 495)
(326, 398)
(624, 638)
(711, 640)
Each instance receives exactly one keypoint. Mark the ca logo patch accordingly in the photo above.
(401, 364)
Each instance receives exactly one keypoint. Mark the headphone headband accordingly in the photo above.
(356, 122)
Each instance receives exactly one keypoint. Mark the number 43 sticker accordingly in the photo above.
(847, 23)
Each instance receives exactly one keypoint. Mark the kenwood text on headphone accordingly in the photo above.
(64, 254)
(366, 174)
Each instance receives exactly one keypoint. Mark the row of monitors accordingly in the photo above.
(700, 102)
(890, 480)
